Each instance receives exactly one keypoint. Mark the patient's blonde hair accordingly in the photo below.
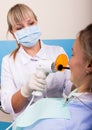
(85, 38)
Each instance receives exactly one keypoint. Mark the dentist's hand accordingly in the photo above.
(37, 82)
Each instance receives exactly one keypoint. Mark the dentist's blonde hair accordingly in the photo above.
(16, 14)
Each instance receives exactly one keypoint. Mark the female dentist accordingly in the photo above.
(17, 77)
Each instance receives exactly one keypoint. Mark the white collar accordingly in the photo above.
(87, 96)
(26, 58)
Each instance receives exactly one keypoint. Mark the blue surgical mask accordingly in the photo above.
(28, 36)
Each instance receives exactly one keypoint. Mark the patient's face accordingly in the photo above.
(77, 64)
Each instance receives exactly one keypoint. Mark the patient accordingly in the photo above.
(75, 111)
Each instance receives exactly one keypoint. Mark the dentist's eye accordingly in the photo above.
(19, 28)
(31, 23)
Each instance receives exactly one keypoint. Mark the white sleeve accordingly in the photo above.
(7, 85)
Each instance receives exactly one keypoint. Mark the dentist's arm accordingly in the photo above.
(20, 98)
